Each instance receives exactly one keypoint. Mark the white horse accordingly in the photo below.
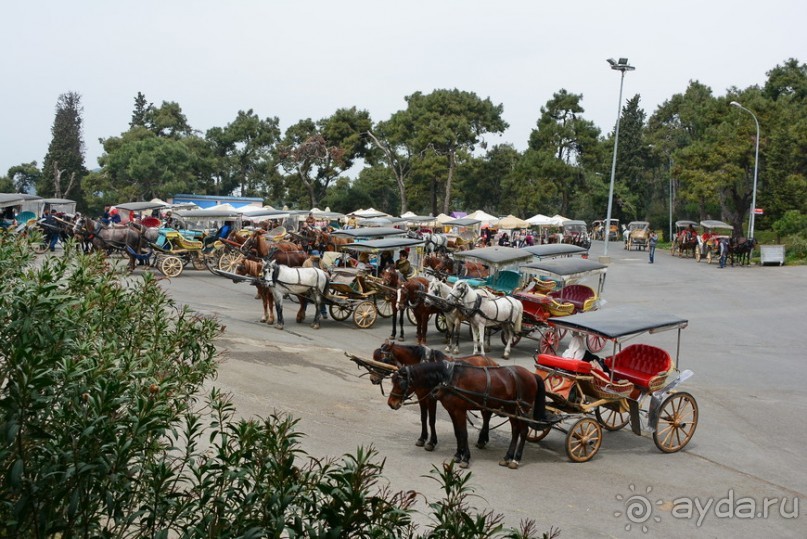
(435, 243)
(482, 312)
(453, 316)
(310, 282)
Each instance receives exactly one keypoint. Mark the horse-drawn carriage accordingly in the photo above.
(636, 384)
(685, 240)
(555, 288)
(637, 235)
(555, 250)
(576, 233)
(709, 240)
(599, 227)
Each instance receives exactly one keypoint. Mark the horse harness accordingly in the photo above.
(469, 312)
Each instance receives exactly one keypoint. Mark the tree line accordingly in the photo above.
(694, 151)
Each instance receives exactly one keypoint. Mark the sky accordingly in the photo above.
(306, 59)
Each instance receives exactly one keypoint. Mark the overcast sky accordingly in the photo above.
(307, 58)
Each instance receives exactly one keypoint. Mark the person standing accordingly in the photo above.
(652, 246)
(314, 261)
(723, 245)
(51, 227)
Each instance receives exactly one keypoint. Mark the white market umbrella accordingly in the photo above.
(559, 219)
(540, 219)
(485, 217)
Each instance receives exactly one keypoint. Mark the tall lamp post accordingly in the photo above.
(622, 66)
(751, 218)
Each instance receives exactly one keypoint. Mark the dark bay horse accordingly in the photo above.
(513, 391)
(410, 295)
(740, 249)
(401, 355)
(129, 238)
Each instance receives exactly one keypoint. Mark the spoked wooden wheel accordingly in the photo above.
(595, 343)
(198, 261)
(40, 248)
(583, 440)
(229, 261)
(677, 421)
(535, 436)
(440, 323)
(365, 315)
(410, 315)
(549, 342)
(383, 306)
(697, 254)
(170, 266)
(514, 341)
(611, 419)
(709, 256)
(340, 311)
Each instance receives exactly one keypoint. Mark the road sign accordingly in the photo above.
(758, 211)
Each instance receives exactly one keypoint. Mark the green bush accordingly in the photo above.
(105, 433)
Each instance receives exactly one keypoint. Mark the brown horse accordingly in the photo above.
(440, 263)
(475, 269)
(409, 295)
(402, 355)
(512, 390)
(254, 268)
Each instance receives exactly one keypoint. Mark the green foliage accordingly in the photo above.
(792, 222)
(24, 177)
(105, 433)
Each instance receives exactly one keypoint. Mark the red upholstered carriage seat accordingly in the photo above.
(576, 294)
(641, 364)
(576, 366)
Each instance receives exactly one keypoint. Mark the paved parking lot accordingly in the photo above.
(745, 342)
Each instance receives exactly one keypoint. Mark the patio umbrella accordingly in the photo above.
(540, 219)
(511, 222)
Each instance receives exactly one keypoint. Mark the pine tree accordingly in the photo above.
(142, 109)
(63, 166)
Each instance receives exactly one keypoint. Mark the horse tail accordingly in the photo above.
(539, 407)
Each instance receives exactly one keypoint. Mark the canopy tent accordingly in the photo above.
(458, 214)
(226, 207)
(327, 214)
(484, 217)
(559, 219)
(408, 214)
(540, 219)
(443, 218)
(511, 222)
(368, 213)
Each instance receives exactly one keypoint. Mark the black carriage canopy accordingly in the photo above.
(716, 224)
(462, 222)
(141, 206)
(548, 250)
(496, 255)
(384, 244)
(565, 268)
(621, 321)
(369, 232)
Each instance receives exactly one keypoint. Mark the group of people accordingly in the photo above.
(517, 239)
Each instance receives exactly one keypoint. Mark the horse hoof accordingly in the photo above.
(481, 445)
(464, 464)
(279, 326)
(506, 356)
(504, 462)
(315, 326)
(513, 465)
(420, 443)
(429, 447)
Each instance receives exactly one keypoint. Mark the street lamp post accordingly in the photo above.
(751, 218)
(621, 66)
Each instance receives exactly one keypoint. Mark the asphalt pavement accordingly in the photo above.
(743, 473)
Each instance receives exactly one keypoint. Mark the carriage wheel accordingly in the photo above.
(365, 315)
(40, 248)
(170, 266)
(384, 306)
(440, 323)
(583, 440)
(709, 256)
(535, 436)
(611, 419)
(229, 261)
(340, 311)
(514, 341)
(677, 421)
(595, 343)
(410, 315)
(198, 261)
(549, 341)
